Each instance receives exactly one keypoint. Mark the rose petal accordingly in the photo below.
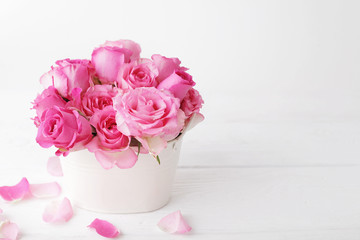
(125, 159)
(44, 190)
(54, 166)
(57, 212)
(104, 228)
(174, 223)
(153, 144)
(9, 230)
(16, 192)
(194, 120)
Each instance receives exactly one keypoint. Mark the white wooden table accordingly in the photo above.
(247, 180)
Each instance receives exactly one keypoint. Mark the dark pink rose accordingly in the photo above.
(178, 83)
(48, 98)
(141, 73)
(64, 129)
(151, 115)
(166, 66)
(111, 147)
(192, 102)
(68, 75)
(111, 56)
(97, 98)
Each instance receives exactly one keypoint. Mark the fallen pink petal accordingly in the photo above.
(174, 223)
(16, 192)
(45, 190)
(58, 212)
(54, 166)
(9, 230)
(104, 228)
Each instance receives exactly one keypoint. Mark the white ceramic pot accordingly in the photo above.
(142, 188)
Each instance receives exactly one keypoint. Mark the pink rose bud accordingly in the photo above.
(111, 56)
(192, 102)
(127, 44)
(64, 129)
(177, 83)
(67, 75)
(166, 66)
(48, 98)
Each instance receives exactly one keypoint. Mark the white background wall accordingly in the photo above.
(280, 79)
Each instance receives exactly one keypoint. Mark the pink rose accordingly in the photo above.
(166, 66)
(63, 128)
(111, 56)
(151, 115)
(128, 44)
(68, 75)
(110, 146)
(97, 98)
(48, 98)
(142, 73)
(192, 102)
(178, 83)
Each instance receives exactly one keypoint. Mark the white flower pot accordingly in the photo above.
(142, 188)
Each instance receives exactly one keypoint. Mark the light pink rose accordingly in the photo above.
(151, 115)
(97, 98)
(68, 75)
(111, 56)
(166, 66)
(178, 83)
(128, 44)
(64, 129)
(192, 102)
(48, 98)
(141, 73)
(111, 147)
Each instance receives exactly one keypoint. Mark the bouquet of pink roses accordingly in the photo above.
(117, 105)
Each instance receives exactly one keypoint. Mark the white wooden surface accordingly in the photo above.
(221, 192)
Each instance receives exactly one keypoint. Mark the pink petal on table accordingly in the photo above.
(104, 228)
(45, 190)
(174, 223)
(16, 192)
(57, 212)
(9, 230)
(54, 166)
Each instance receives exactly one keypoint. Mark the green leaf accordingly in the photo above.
(158, 159)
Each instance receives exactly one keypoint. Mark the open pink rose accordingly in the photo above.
(151, 115)
(192, 102)
(141, 73)
(48, 98)
(97, 98)
(178, 83)
(67, 75)
(111, 56)
(64, 129)
(111, 147)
